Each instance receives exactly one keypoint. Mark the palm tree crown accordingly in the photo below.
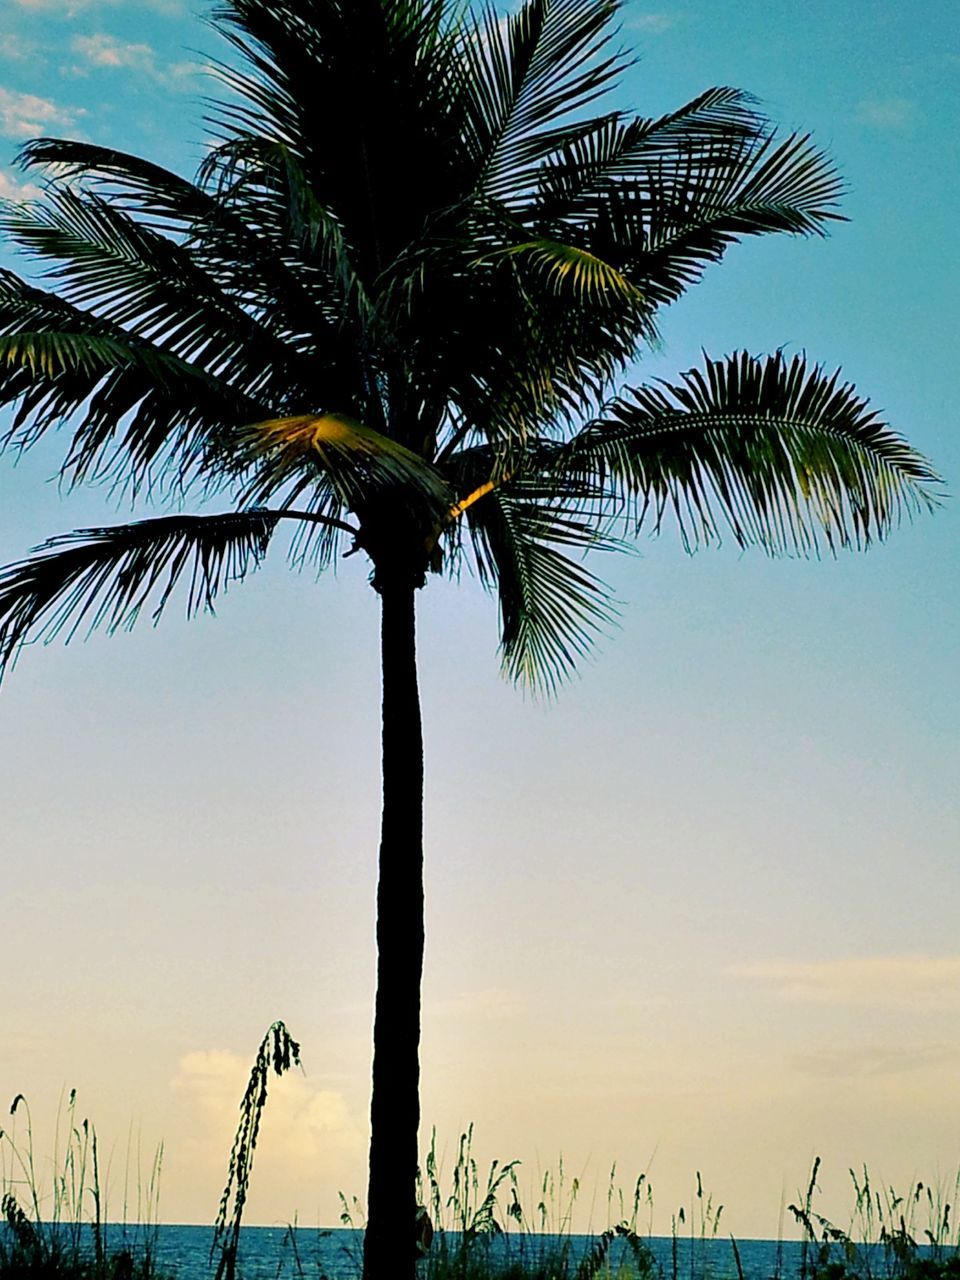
(397, 307)
(393, 312)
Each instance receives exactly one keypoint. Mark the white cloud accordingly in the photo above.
(887, 113)
(24, 115)
(915, 981)
(15, 48)
(107, 51)
(653, 23)
(73, 7)
(10, 189)
(301, 1123)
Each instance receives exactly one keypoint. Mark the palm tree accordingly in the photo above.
(392, 313)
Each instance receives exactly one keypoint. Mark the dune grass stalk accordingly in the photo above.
(486, 1227)
(59, 1229)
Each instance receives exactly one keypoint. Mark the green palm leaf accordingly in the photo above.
(528, 545)
(132, 276)
(527, 75)
(779, 452)
(132, 402)
(219, 236)
(573, 272)
(615, 149)
(335, 452)
(104, 577)
(663, 230)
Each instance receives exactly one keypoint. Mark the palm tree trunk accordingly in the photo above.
(389, 1249)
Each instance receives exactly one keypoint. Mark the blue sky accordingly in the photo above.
(701, 912)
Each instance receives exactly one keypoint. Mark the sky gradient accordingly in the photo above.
(700, 913)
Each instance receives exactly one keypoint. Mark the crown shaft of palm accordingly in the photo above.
(396, 309)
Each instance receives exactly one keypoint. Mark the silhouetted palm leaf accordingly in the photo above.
(134, 404)
(243, 258)
(551, 607)
(779, 452)
(104, 577)
(527, 75)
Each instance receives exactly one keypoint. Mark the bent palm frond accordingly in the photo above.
(132, 402)
(104, 577)
(780, 453)
(662, 232)
(575, 273)
(525, 542)
(113, 264)
(137, 185)
(247, 260)
(358, 464)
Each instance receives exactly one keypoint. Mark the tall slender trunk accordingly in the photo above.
(389, 1243)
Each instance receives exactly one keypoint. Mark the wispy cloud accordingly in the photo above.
(916, 981)
(24, 115)
(876, 1061)
(104, 50)
(73, 7)
(10, 189)
(887, 113)
(108, 51)
(654, 24)
(16, 48)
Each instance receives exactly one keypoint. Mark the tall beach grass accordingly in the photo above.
(473, 1224)
(54, 1215)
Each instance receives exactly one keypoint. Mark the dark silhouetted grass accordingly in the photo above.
(484, 1229)
(58, 1229)
(472, 1226)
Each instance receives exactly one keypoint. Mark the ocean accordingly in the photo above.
(272, 1253)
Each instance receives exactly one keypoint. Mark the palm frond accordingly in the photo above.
(526, 74)
(781, 453)
(104, 577)
(139, 186)
(132, 402)
(245, 259)
(575, 273)
(697, 206)
(360, 465)
(300, 223)
(391, 69)
(611, 149)
(117, 267)
(525, 540)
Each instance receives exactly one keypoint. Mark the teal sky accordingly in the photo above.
(702, 912)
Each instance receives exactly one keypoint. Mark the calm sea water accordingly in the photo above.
(267, 1253)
